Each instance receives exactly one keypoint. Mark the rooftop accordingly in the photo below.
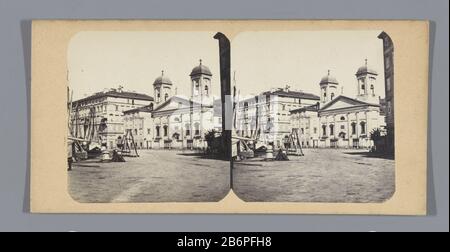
(366, 69)
(146, 109)
(201, 69)
(292, 94)
(163, 79)
(118, 93)
(329, 79)
(314, 108)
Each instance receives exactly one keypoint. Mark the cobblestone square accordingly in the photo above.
(322, 175)
(155, 176)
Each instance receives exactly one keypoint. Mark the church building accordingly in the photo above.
(182, 121)
(339, 121)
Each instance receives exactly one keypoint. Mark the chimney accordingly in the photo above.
(287, 88)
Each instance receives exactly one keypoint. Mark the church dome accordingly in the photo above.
(328, 79)
(162, 80)
(366, 70)
(201, 69)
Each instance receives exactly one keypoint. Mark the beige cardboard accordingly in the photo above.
(50, 40)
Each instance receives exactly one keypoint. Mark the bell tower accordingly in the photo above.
(201, 82)
(162, 87)
(366, 80)
(328, 88)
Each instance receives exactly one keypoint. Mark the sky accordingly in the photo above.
(265, 60)
(99, 60)
(260, 60)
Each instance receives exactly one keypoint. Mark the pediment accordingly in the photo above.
(342, 102)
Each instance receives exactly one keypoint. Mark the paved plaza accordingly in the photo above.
(322, 175)
(155, 176)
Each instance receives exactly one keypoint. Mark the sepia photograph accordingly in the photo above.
(314, 116)
(279, 117)
(310, 115)
(145, 118)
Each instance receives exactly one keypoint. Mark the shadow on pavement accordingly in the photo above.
(371, 155)
(203, 156)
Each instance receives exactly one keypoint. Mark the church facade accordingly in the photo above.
(181, 122)
(338, 121)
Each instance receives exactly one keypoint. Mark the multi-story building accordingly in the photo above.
(99, 117)
(266, 117)
(139, 122)
(341, 121)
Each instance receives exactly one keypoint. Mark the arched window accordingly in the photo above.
(324, 130)
(363, 88)
(342, 118)
(332, 96)
(353, 128)
(158, 97)
(206, 90)
(166, 130)
(158, 133)
(363, 127)
(166, 96)
(188, 130)
(196, 87)
(372, 89)
(197, 129)
(331, 129)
